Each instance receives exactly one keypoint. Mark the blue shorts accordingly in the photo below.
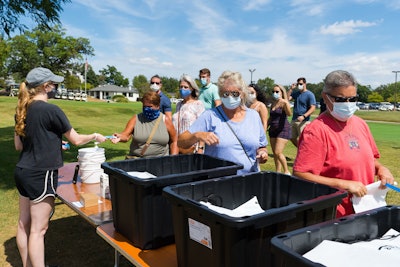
(36, 185)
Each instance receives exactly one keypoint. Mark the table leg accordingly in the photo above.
(116, 258)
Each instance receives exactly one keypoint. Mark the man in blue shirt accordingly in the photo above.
(165, 102)
(304, 106)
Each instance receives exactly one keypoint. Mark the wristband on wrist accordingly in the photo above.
(95, 137)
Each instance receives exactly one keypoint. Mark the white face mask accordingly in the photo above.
(231, 102)
(343, 111)
(252, 97)
(300, 87)
(155, 87)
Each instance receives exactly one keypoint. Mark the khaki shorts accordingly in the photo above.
(298, 127)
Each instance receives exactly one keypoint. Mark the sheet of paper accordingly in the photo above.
(374, 198)
(249, 208)
(142, 175)
(372, 253)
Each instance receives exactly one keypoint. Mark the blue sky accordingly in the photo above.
(281, 39)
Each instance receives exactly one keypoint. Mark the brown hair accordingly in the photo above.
(152, 97)
(205, 71)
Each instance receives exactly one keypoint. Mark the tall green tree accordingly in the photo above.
(46, 48)
(4, 53)
(266, 84)
(44, 13)
(113, 76)
(170, 85)
(140, 83)
(72, 81)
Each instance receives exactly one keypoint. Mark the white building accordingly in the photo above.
(106, 92)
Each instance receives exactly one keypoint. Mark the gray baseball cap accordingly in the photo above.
(38, 76)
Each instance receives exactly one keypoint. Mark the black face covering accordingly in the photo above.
(52, 93)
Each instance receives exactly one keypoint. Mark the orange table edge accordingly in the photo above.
(161, 257)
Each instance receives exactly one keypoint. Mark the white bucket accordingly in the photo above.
(90, 160)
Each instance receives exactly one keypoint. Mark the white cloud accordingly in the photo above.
(255, 4)
(345, 27)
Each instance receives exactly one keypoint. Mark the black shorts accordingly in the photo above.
(36, 185)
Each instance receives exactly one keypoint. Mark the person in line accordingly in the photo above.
(208, 91)
(230, 131)
(337, 149)
(279, 128)
(304, 106)
(257, 100)
(164, 140)
(39, 127)
(165, 102)
(187, 111)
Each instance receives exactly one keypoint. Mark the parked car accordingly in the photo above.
(374, 106)
(363, 106)
(386, 106)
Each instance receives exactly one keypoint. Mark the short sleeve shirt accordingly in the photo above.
(208, 95)
(165, 103)
(302, 103)
(249, 131)
(45, 125)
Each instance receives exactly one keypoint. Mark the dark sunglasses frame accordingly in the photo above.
(233, 93)
(340, 99)
(158, 83)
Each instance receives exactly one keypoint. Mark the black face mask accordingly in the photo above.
(53, 92)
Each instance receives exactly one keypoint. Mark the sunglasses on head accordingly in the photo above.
(233, 93)
(344, 99)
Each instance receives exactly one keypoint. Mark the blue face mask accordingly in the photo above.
(231, 102)
(203, 81)
(185, 92)
(343, 111)
(276, 95)
(151, 114)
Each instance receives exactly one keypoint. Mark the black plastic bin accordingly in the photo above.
(288, 248)
(140, 212)
(289, 203)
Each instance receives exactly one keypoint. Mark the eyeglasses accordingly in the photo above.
(344, 99)
(228, 93)
(158, 83)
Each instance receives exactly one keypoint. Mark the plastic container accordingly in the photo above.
(140, 212)
(288, 203)
(289, 247)
(90, 160)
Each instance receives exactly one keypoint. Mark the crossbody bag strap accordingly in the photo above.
(153, 131)
(226, 121)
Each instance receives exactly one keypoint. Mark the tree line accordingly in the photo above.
(51, 48)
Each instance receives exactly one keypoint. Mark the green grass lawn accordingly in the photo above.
(72, 241)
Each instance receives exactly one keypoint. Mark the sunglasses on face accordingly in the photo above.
(277, 91)
(158, 83)
(344, 99)
(233, 93)
(300, 83)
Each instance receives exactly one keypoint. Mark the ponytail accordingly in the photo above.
(25, 96)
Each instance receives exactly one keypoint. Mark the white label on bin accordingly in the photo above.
(200, 233)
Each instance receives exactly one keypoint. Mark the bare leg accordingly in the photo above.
(279, 146)
(23, 230)
(40, 213)
(278, 166)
